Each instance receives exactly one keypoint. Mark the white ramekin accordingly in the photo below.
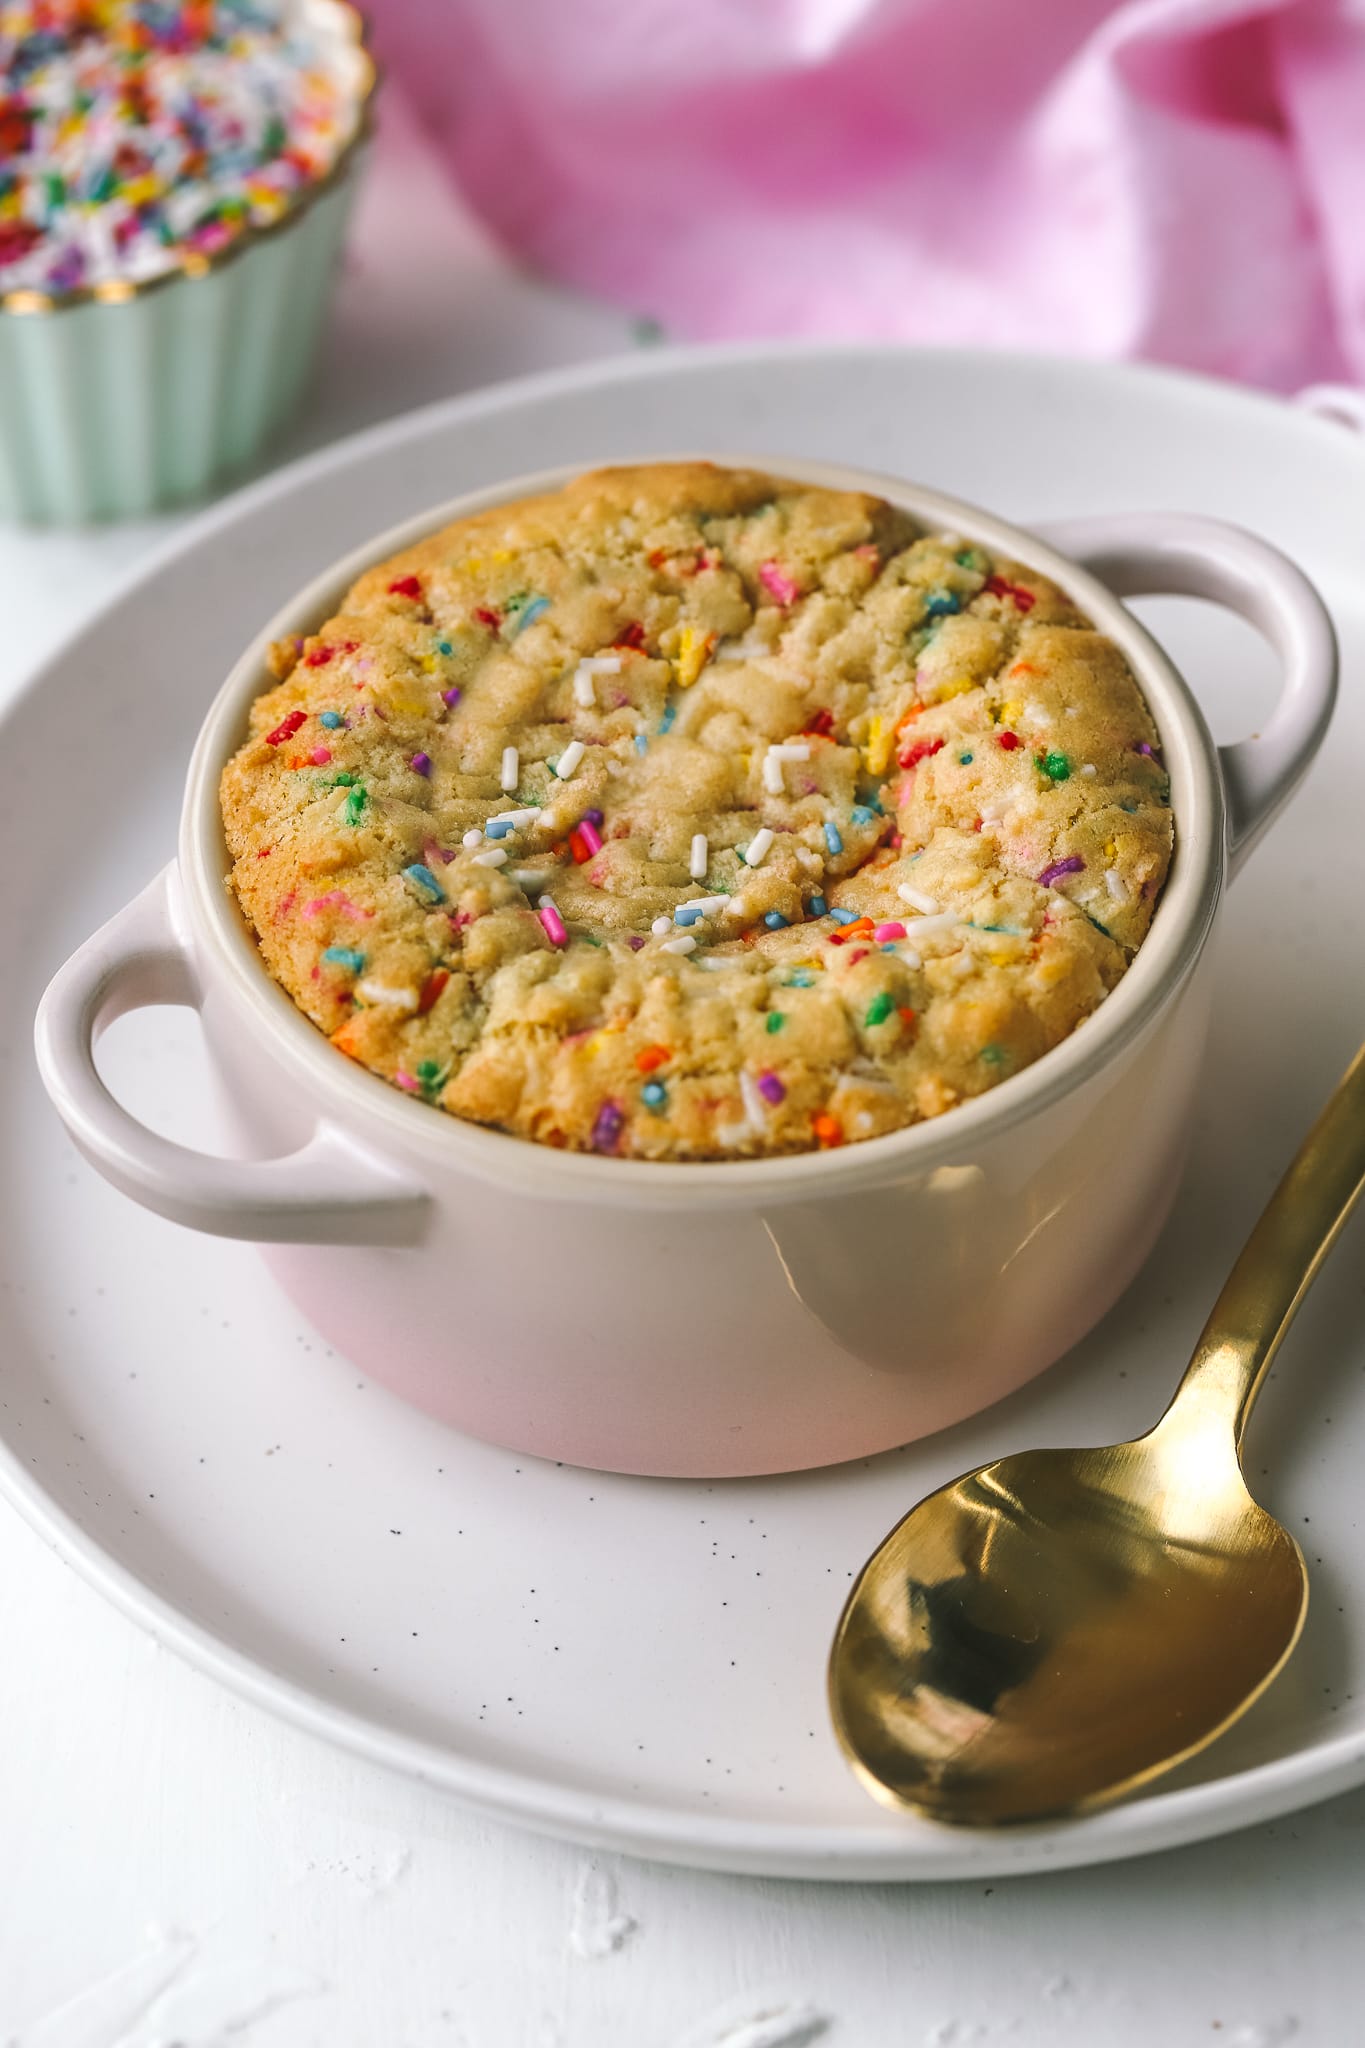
(736, 1317)
(121, 398)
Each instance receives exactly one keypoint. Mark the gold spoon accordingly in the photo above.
(1051, 1631)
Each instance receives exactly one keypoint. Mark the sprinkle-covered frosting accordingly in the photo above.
(691, 813)
(137, 136)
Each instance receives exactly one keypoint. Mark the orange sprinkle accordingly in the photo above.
(908, 1018)
(827, 1129)
(431, 989)
(653, 1056)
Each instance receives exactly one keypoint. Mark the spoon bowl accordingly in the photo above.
(1057, 1628)
(1048, 1632)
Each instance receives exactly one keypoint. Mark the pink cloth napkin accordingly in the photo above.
(1177, 179)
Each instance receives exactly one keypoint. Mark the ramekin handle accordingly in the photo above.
(1158, 554)
(331, 1191)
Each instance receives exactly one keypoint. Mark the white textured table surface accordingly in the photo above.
(179, 1869)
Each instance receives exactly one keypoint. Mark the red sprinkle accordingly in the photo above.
(431, 989)
(998, 587)
(286, 728)
(821, 726)
(631, 636)
(921, 750)
(318, 657)
(652, 1056)
(1008, 740)
(487, 617)
(579, 847)
(407, 586)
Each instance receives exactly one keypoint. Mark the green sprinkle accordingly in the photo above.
(1056, 766)
(355, 805)
(776, 1020)
(444, 647)
(993, 1054)
(343, 781)
(879, 1009)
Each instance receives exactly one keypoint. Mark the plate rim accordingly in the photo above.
(1158, 1821)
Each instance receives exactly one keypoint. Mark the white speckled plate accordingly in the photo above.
(628, 1661)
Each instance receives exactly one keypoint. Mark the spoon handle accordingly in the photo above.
(1280, 1260)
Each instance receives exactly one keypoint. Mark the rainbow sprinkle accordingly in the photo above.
(140, 138)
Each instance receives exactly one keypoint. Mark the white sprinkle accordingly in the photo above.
(472, 838)
(1114, 883)
(494, 858)
(686, 944)
(911, 959)
(569, 759)
(756, 852)
(661, 927)
(699, 858)
(780, 751)
(707, 961)
(1089, 768)
(526, 878)
(917, 899)
(741, 650)
(515, 818)
(600, 665)
(380, 992)
(754, 1106)
(511, 768)
(584, 689)
(705, 904)
(945, 921)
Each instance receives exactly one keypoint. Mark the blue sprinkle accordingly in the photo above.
(444, 647)
(670, 713)
(964, 760)
(654, 1095)
(640, 743)
(331, 719)
(801, 979)
(344, 956)
(534, 610)
(774, 920)
(941, 604)
(498, 828)
(832, 839)
(425, 883)
(817, 906)
(682, 916)
(844, 916)
(863, 814)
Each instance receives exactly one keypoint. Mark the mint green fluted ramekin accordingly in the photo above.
(121, 399)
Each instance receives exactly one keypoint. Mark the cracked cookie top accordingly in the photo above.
(693, 813)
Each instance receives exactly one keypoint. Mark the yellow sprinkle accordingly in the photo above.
(429, 663)
(693, 649)
(1009, 712)
(953, 689)
(878, 749)
(502, 556)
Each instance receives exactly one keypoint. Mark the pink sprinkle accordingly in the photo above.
(320, 756)
(554, 924)
(408, 1081)
(635, 942)
(884, 932)
(590, 835)
(336, 899)
(1072, 865)
(770, 1088)
(450, 697)
(420, 764)
(778, 583)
